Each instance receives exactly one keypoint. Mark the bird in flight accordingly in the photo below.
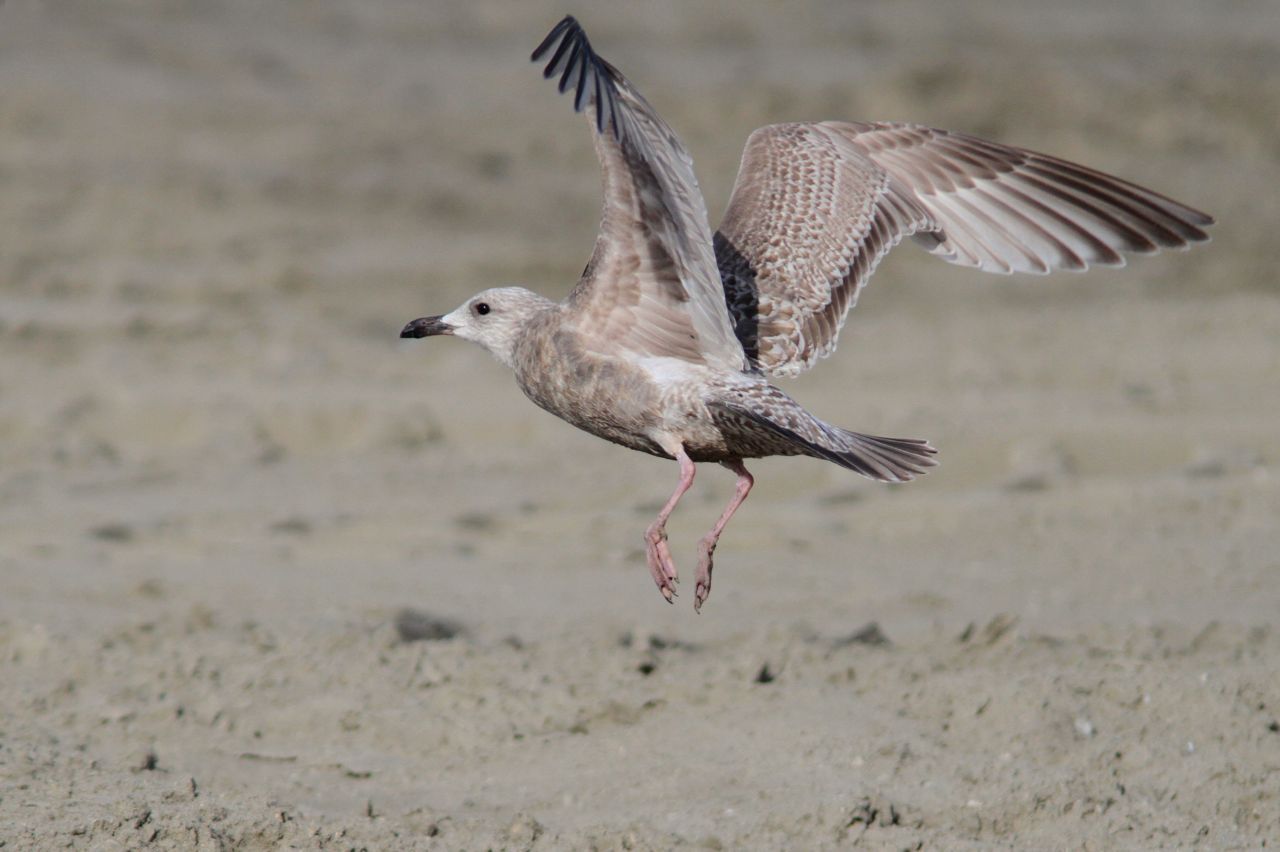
(667, 342)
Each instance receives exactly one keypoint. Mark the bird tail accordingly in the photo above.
(883, 459)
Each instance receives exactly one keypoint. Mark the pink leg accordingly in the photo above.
(661, 565)
(707, 545)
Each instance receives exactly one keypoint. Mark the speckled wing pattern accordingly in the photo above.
(809, 219)
(652, 285)
(816, 206)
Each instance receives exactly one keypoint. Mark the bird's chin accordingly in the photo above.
(427, 327)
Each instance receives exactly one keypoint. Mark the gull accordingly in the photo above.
(667, 342)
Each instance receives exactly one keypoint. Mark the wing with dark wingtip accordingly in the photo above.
(816, 206)
(1005, 209)
(652, 285)
(581, 70)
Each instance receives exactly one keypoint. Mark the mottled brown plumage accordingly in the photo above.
(816, 206)
(664, 344)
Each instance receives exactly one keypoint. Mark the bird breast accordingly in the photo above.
(608, 395)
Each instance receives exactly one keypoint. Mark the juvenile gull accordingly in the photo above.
(665, 343)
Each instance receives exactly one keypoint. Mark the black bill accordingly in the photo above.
(426, 326)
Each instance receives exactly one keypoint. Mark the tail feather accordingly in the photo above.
(884, 459)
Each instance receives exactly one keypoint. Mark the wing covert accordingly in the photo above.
(809, 219)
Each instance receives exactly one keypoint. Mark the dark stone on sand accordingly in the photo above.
(292, 526)
(414, 625)
(119, 533)
(871, 634)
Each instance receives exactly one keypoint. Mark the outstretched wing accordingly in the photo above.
(652, 285)
(816, 206)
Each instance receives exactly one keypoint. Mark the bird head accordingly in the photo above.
(492, 318)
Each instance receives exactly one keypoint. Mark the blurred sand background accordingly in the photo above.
(222, 476)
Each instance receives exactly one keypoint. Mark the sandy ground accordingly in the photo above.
(223, 479)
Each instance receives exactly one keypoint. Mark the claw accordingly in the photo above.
(702, 586)
(661, 566)
(668, 564)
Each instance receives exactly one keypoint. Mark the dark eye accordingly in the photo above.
(481, 308)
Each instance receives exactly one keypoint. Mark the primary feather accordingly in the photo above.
(816, 206)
